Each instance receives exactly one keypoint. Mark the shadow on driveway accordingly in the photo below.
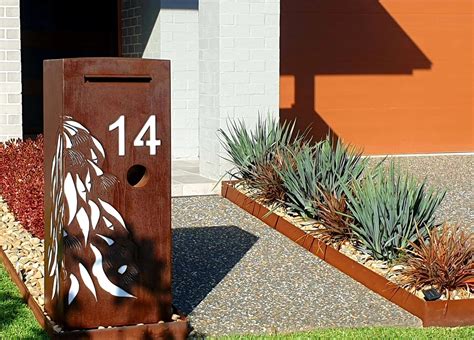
(202, 257)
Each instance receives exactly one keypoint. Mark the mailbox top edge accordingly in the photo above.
(107, 59)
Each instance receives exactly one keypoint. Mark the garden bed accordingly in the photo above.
(432, 313)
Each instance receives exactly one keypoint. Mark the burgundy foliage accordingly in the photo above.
(22, 181)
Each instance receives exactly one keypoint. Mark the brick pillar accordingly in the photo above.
(10, 70)
(238, 70)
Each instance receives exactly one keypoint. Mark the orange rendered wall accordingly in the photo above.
(391, 76)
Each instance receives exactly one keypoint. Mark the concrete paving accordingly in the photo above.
(187, 181)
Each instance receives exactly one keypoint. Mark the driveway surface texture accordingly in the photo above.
(234, 275)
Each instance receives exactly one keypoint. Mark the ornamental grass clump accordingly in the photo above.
(391, 210)
(445, 260)
(335, 218)
(257, 154)
(267, 183)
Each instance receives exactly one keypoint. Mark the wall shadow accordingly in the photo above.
(58, 29)
(202, 257)
(338, 37)
(150, 9)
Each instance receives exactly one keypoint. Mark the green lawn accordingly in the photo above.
(371, 333)
(18, 322)
(16, 319)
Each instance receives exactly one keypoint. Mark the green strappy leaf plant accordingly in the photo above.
(390, 210)
(256, 155)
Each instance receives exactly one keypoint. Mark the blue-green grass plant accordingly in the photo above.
(247, 149)
(299, 176)
(390, 210)
(319, 171)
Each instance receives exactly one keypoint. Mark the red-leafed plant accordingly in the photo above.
(22, 181)
(334, 215)
(445, 261)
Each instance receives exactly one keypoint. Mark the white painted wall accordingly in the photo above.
(10, 70)
(239, 70)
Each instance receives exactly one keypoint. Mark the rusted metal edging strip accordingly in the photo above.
(432, 313)
(24, 292)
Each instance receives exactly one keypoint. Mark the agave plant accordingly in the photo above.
(259, 154)
(314, 184)
(338, 165)
(300, 175)
(246, 150)
(445, 260)
(390, 211)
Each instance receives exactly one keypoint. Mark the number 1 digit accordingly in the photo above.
(120, 124)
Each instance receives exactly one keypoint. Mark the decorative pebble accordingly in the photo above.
(24, 251)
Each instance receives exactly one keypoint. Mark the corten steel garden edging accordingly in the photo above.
(446, 313)
(167, 330)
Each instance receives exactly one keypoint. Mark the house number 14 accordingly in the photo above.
(152, 142)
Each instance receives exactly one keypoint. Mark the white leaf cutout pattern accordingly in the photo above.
(88, 181)
(98, 171)
(94, 156)
(103, 280)
(77, 125)
(98, 146)
(71, 196)
(81, 188)
(108, 224)
(111, 210)
(87, 280)
(73, 290)
(71, 130)
(106, 239)
(95, 213)
(84, 213)
(83, 221)
(122, 269)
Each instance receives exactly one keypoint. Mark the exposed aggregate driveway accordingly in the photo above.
(234, 275)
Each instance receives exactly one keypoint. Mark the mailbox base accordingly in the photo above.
(168, 330)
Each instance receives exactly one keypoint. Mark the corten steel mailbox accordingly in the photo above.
(107, 191)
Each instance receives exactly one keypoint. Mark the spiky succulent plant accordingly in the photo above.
(390, 210)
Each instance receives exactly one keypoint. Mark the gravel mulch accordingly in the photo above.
(25, 252)
(233, 274)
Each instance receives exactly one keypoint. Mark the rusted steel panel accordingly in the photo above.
(107, 191)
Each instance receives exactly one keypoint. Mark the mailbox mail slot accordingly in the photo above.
(107, 197)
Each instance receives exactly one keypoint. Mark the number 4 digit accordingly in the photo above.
(152, 142)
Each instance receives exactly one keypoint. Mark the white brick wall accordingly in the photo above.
(175, 37)
(10, 70)
(239, 69)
